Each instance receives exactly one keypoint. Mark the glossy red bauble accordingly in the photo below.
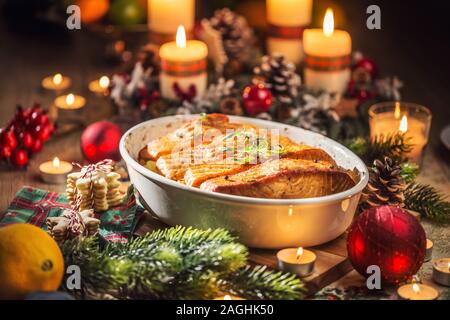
(100, 140)
(256, 99)
(19, 158)
(390, 238)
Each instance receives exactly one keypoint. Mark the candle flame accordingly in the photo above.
(403, 125)
(57, 78)
(328, 23)
(227, 297)
(70, 99)
(416, 288)
(56, 162)
(181, 37)
(299, 252)
(104, 82)
(397, 110)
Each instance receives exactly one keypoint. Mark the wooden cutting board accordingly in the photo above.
(331, 265)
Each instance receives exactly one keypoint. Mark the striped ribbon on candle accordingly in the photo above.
(327, 63)
(183, 69)
(285, 32)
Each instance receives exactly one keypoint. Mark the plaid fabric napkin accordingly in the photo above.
(32, 205)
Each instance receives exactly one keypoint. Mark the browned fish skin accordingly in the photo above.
(283, 179)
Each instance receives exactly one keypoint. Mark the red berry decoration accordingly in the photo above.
(19, 158)
(390, 238)
(100, 140)
(256, 99)
(5, 152)
(27, 140)
(8, 138)
(367, 64)
(36, 146)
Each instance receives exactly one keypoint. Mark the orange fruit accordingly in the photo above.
(30, 261)
(92, 10)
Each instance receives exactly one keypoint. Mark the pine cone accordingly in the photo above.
(237, 36)
(386, 185)
(279, 76)
(231, 106)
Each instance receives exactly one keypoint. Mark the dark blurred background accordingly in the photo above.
(413, 44)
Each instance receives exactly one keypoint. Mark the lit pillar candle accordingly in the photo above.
(287, 19)
(164, 17)
(296, 260)
(417, 291)
(413, 120)
(57, 82)
(327, 57)
(55, 171)
(183, 65)
(100, 86)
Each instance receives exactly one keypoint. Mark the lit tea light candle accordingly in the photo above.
(228, 297)
(183, 66)
(56, 82)
(412, 120)
(287, 20)
(429, 250)
(70, 102)
(327, 57)
(417, 291)
(164, 17)
(100, 86)
(441, 271)
(296, 260)
(55, 171)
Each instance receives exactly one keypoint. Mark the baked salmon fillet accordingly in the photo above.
(283, 179)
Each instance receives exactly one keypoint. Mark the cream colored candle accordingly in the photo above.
(441, 271)
(100, 86)
(327, 57)
(56, 82)
(296, 260)
(164, 17)
(417, 291)
(183, 65)
(70, 102)
(287, 19)
(429, 250)
(55, 171)
(404, 118)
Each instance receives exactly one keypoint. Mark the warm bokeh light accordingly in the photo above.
(328, 23)
(57, 78)
(56, 162)
(70, 99)
(181, 37)
(227, 297)
(104, 82)
(397, 110)
(403, 125)
(416, 288)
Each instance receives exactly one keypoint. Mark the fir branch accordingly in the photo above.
(260, 283)
(394, 146)
(429, 202)
(175, 263)
(410, 171)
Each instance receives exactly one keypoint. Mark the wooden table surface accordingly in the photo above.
(28, 53)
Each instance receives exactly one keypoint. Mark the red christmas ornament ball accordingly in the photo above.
(100, 140)
(19, 158)
(390, 238)
(256, 99)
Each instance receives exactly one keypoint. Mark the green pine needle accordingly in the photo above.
(410, 171)
(174, 263)
(394, 146)
(429, 202)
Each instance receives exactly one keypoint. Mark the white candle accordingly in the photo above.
(70, 102)
(417, 291)
(441, 271)
(56, 82)
(164, 17)
(327, 57)
(296, 260)
(183, 64)
(287, 20)
(100, 86)
(55, 171)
